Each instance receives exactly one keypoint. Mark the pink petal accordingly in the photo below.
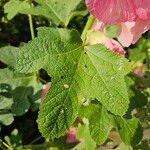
(114, 46)
(125, 37)
(130, 32)
(97, 25)
(117, 11)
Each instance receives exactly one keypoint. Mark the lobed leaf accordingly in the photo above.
(77, 72)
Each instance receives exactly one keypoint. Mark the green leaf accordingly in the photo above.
(137, 98)
(51, 44)
(8, 55)
(130, 130)
(6, 117)
(100, 125)
(140, 51)
(13, 7)
(100, 121)
(20, 89)
(5, 103)
(87, 141)
(76, 75)
(103, 74)
(59, 11)
(58, 111)
(123, 146)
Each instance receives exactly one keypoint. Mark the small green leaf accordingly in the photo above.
(18, 88)
(5, 103)
(137, 98)
(100, 125)
(8, 55)
(6, 117)
(86, 139)
(130, 130)
(100, 121)
(13, 7)
(140, 51)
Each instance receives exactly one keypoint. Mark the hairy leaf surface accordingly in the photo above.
(77, 72)
(130, 130)
(8, 55)
(100, 121)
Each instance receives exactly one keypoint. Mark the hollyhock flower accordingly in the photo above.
(117, 11)
(128, 33)
(71, 136)
(131, 16)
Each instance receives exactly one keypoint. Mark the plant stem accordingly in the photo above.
(147, 58)
(87, 26)
(35, 140)
(6, 145)
(31, 26)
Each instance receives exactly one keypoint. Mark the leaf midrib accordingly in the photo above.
(100, 75)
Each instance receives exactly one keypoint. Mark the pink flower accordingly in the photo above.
(128, 33)
(117, 11)
(71, 136)
(131, 16)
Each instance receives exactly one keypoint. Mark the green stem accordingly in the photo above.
(35, 140)
(147, 58)
(87, 26)
(6, 145)
(31, 26)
